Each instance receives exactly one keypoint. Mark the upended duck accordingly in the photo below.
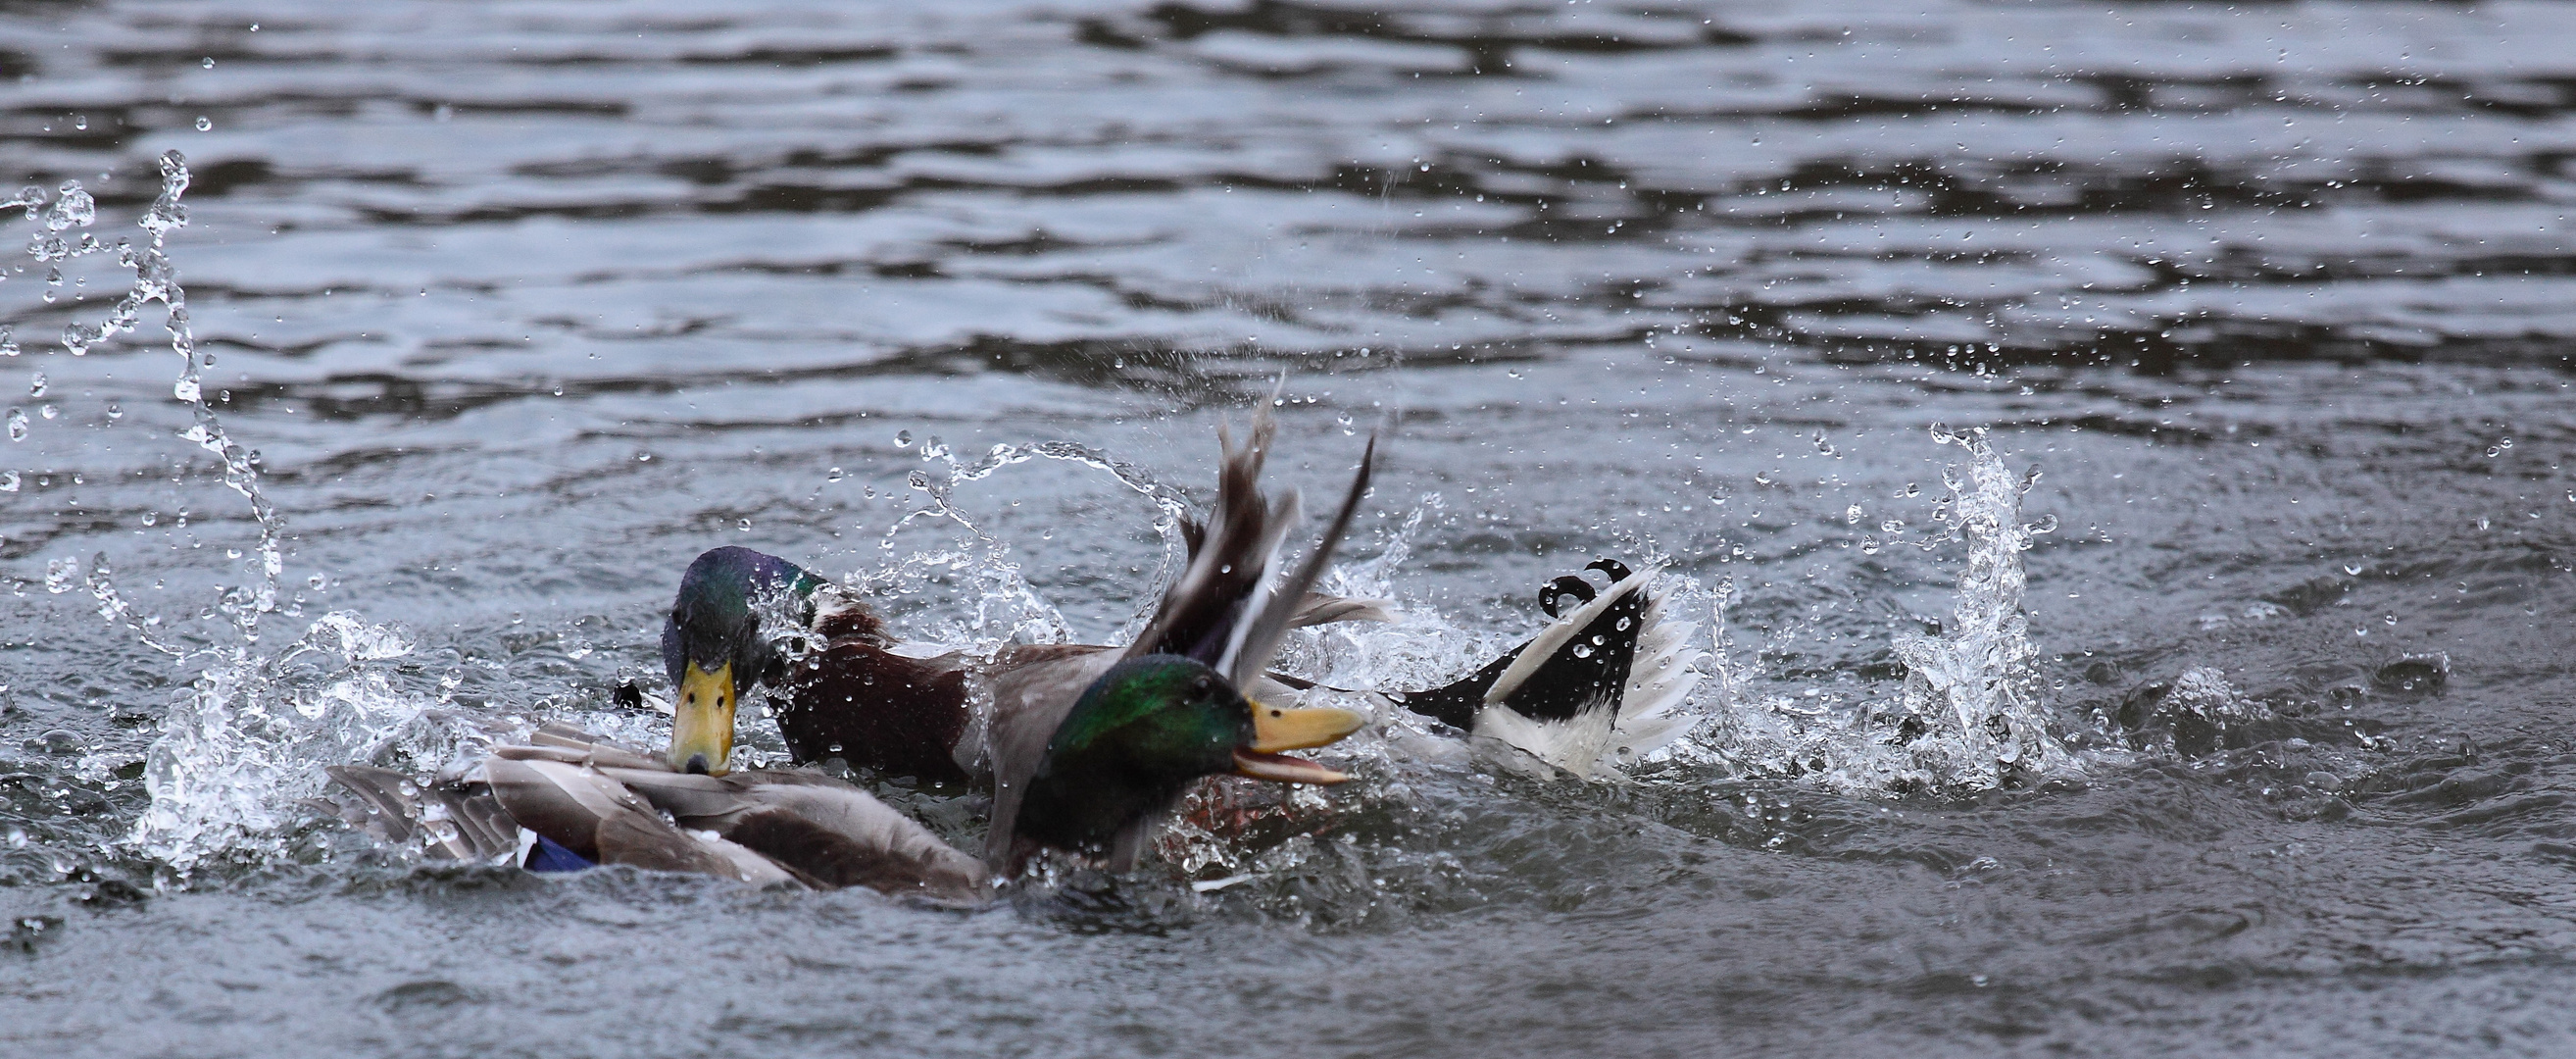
(1601, 686)
(1086, 747)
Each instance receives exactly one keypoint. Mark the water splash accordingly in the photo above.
(156, 279)
(1007, 608)
(247, 741)
(1971, 714)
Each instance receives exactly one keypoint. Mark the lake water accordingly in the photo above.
(2243, 728)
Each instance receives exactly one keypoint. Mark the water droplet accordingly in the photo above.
(204, 123)
(1583, 650)
(50, 411)
(643, 457)
(1623, 625)
(1851, 515)
(17, 425)
(319, 581)
(743, 525)
(1910, 490)
(17, 838)
(80, 122)
(8, 481)
(2352, 568)
(115, 411)
(60, 573)
(833, 475)
(208, 63)
(151, 518)
(36, 386)
(903, 439)
(1894, 525)
(1869, 546)
(2495, 450)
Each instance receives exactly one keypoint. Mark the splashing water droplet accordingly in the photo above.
(832, 475)
(318, 581)
(151, 518)
(903, 439)
(60, 573)
(205, 124)
(17, 425)
(8, 481)
(743, 525)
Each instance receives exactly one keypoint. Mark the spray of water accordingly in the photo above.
(1972, 713)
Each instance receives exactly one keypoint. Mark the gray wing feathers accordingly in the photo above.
(819, 828)
(1320, 609)
(592, 814)
(458, 820)
(1259, 638)
(1029, 704)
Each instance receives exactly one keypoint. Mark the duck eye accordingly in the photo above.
(1275, 712)
(691, 698)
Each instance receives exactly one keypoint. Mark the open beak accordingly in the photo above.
(702, 721)
(1277, 728)
(1280, 768)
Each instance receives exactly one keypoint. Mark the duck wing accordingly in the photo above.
(581, 808)
(1031, 689)
(823, 830)
(395, 809)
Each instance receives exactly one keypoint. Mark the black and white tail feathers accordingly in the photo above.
(1598, 687)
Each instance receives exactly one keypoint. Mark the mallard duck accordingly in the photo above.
(1596, 688)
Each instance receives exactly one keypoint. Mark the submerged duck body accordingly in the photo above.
(570, 800)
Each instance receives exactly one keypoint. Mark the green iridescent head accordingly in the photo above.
(714, 647)
(1144, 730)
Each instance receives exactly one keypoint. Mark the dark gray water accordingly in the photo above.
(522, 305)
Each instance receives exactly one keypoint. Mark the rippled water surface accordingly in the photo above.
(510, 309)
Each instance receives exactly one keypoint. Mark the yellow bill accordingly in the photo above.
(1277, 728)
(702, 720)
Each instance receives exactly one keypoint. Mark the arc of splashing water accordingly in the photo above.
(996, 567)
(157, 279)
